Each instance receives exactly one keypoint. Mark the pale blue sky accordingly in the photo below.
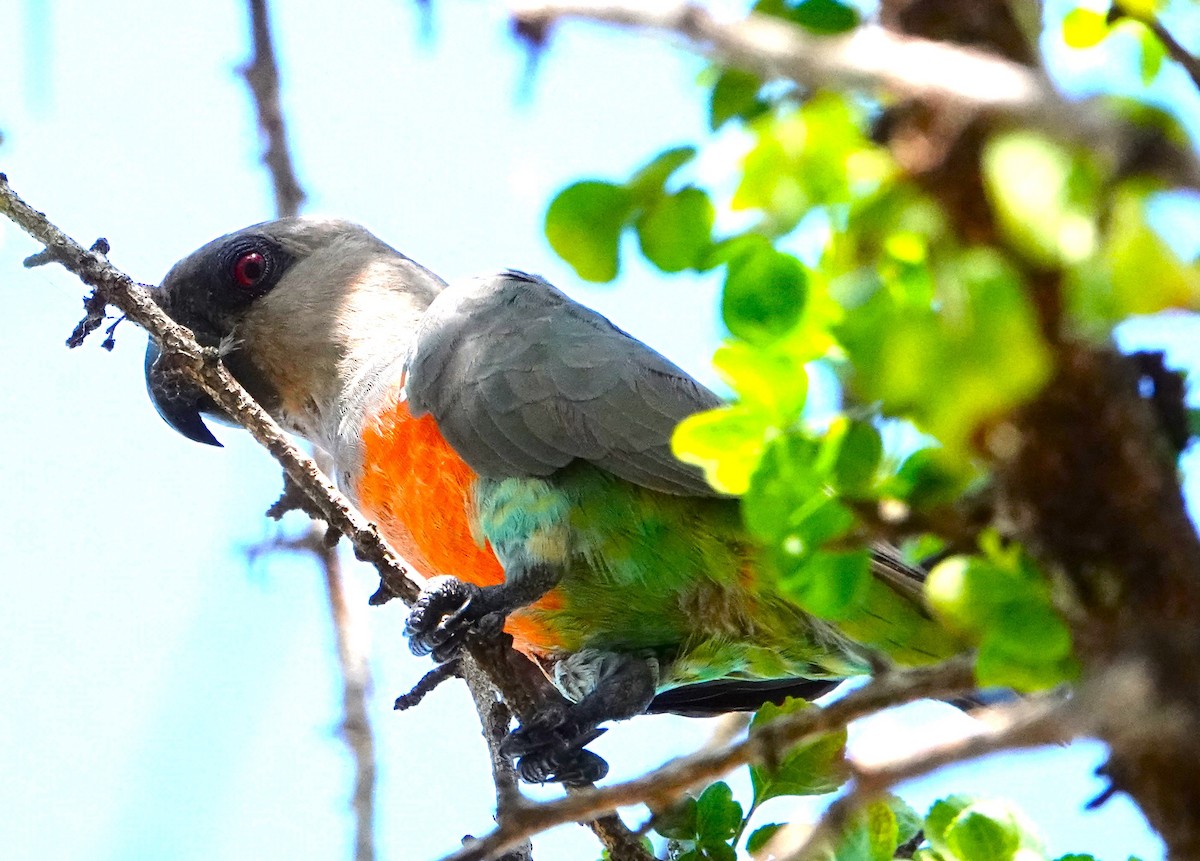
(161, 699)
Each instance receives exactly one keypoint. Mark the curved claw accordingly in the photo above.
(550, 747)
(442, 617)
(575, 768)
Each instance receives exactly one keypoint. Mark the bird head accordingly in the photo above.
(299, 309)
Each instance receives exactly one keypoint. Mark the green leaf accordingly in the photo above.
(719, 852)
(584, 224)
(975, 836)
(1143, 8)
(1084, 28)
(648, 183)
(784, 485)
(734, 95)
(675, 230)
(940, 817)
(727, 443)
(761, 837)
(973, 595)
(764, 293)
(956, 366)
(872, 835)
(1044, 195)
(830, 585)
(826, 17)
(771, 380)
(1153, 55)
(1147, 276)
(908, 822)
(814, 767)
(859, 452)
(677, 822)
(718, 816)
(989, 830)
(927, 477)
(997, 667)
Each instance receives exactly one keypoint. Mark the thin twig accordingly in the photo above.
(262, 76)
(1027, 725)
(666, 784)
(1175, 50)
(496, 718)
(427, 684)
(875, 58)
(356, 689)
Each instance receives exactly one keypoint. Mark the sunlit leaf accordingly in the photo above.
(1044, 196)
(814, 767)
(675, 229)
(766, 379)
(1084, 28)
(584, 224)
(1153, 55)
(726, 443)
(650, 180)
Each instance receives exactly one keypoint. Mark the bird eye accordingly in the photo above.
(250, 269)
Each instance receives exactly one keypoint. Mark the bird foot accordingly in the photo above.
(550, 748)
(447, 611)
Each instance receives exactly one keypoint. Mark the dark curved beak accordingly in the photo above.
(179, 405)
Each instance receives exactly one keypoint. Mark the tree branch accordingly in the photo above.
(663, 786)
(508, 671)
(1175, 49)
(875, 58)
(1024, 725)
(262, 76)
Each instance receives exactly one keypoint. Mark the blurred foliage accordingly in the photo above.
(714, 825)
(927, 332)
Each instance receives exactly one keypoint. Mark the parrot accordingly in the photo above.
(513, 446)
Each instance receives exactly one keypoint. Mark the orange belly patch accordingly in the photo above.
(418, 490)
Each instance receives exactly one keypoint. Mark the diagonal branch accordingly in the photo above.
(663, 786)
(1024, 725)
(1175, 49)
(875, 58)
(507, 670)
(262, 76)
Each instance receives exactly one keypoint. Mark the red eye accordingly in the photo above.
(250, 269)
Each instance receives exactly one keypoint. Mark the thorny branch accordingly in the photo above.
(262, 78)
(967, 81)
(664, 785)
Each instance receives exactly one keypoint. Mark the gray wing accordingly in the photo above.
(522, 380)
